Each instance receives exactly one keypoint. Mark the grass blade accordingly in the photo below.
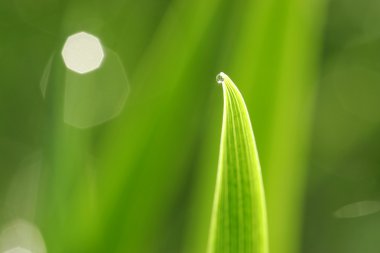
(238, 222)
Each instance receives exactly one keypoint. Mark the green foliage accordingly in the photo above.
(239, 221)
(143, 182)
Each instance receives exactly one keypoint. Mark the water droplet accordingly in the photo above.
(82, 53)
(220, 77)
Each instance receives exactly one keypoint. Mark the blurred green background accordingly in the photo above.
(123, 159)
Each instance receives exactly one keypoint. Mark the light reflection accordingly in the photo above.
(46, 76)
(22, 193)
(358, 209)
(82, 53)
(21, 236)
(96, 97)
(88, 99)
(353, 74)
(18, 250)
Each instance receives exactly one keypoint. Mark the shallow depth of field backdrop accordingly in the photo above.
(124, 158)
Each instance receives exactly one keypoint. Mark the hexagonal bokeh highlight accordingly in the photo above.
(93, 87)
(96, 97)
(18, 250)
(90, 98)
(21, 236)
(82, 53)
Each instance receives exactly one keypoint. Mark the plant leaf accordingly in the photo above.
(238, 222)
